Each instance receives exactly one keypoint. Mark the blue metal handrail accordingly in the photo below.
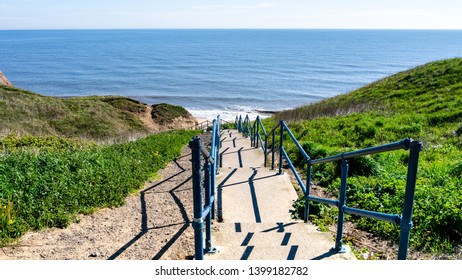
(203, 214)
(248, 127)
(404, 220)
(258, 140)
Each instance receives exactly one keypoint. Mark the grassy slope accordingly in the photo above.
(94, 117)
(46, 181)
(51, 168)
(424, 103)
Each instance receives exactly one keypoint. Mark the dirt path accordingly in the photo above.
(153, 224)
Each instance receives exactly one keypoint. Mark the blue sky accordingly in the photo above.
(83, 14)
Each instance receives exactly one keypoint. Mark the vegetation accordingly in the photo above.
(165, 113)
(46, 181)
(51, 167)
(92, 117)
(424, 103)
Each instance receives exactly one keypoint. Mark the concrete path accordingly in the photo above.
(255, 203)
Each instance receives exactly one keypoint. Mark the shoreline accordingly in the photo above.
(229, 116)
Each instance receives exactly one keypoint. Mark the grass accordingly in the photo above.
(46, 181)
(24, 112)
(51, 167)
(90, 117)
(165, 113)
(424, 103)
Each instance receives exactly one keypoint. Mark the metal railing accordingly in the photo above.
(404, 220)
(207, 125)
(244, 126)
(204, 212)
(258, 127)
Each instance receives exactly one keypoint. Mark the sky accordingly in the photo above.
(129, 14)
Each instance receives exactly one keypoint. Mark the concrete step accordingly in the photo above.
(237, 152)
(291, 241)
(282, 226)
(292, 252)
(255, 195)
(294, 232)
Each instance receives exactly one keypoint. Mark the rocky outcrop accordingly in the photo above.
(4, 81)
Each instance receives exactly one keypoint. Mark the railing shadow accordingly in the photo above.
(184, 216)
(220, 195)
(239, 156)
(330, 253)
(256, 209)
(242, 182)
(144, 229)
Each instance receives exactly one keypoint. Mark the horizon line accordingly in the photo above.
(245, 28)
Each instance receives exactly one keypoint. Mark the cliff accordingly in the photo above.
(4, 81)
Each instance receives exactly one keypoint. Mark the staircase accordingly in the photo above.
(254, 205)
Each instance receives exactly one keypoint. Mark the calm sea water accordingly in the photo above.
(215, 71)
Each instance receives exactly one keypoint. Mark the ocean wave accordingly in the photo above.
(229, 114)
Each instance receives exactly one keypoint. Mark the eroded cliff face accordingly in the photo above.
(181, 122)
(4, 81)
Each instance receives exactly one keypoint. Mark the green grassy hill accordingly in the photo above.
(93, 117)
(51, 167)
(424, 103)
(25, 112)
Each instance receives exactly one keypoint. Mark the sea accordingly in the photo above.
(211, 72)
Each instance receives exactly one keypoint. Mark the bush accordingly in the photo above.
(165, 113)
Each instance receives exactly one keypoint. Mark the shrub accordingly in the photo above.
(165, 113)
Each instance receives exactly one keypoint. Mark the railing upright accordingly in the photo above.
(273, 135)
(256, 133)
(281, 147)
(208, 169)
(213, 152)
(406, 221)
(307, 192)
(203, 214)
(265, 151)
(240, 124)
(198, 222)
(341, 205)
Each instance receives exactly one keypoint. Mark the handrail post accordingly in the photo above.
(240, 124)
(255, 134)
(252, 135)
(272, 149)
(266, 150)
(307, 192)
(216, 165)
(208, 218)
(214, 154)
(198, 223)
(281, 148)
(406, 220)
(257, 128)
(342, 202)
